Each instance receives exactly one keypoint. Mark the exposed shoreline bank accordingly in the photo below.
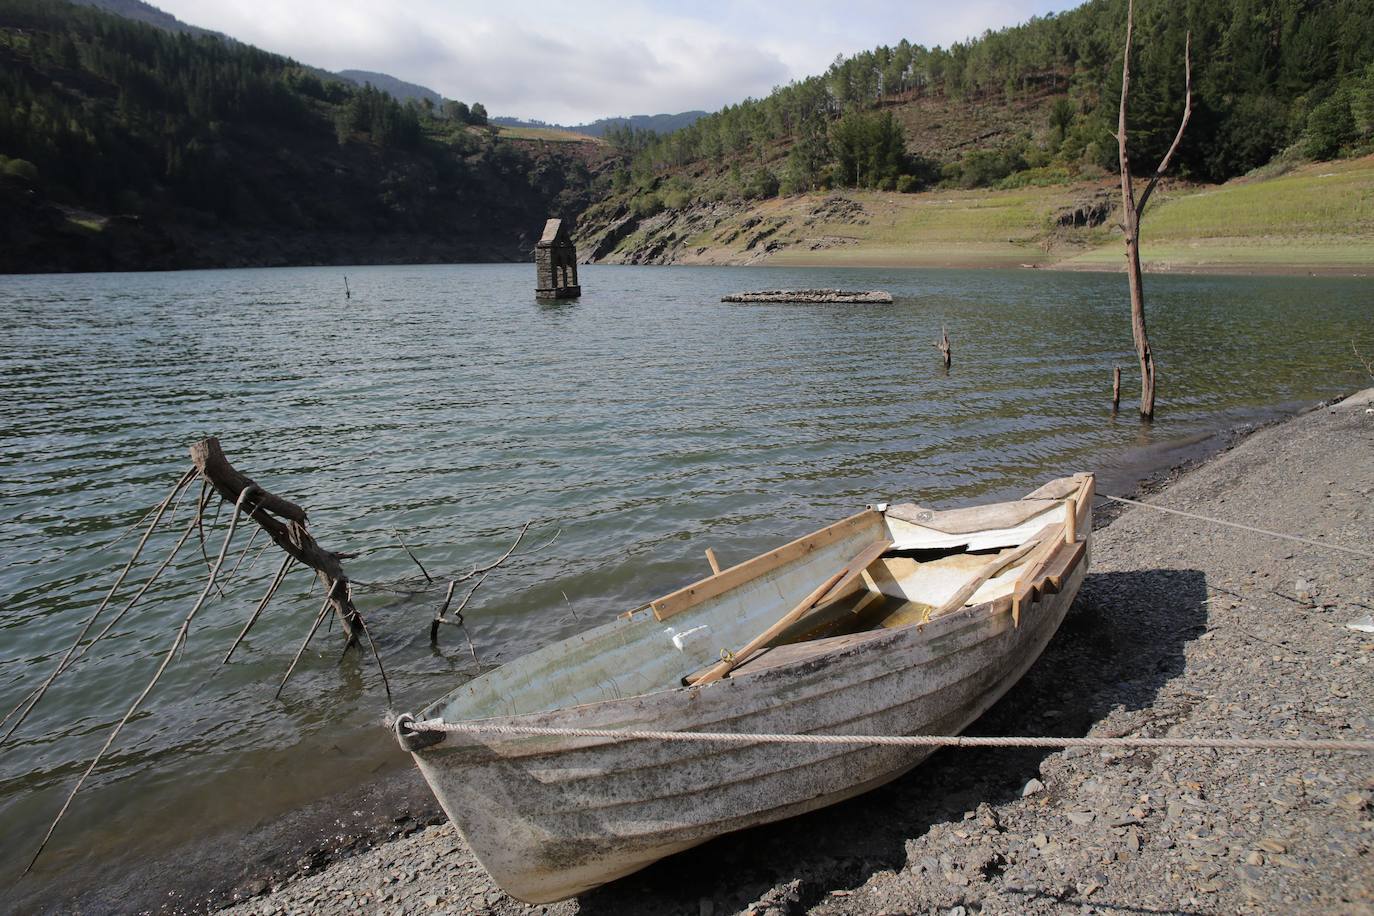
(292, 851)
(1314, 219)
(1152, 267)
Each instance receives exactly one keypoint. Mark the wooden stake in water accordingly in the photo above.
(943, 346)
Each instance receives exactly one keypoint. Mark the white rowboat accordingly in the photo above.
(896, 621)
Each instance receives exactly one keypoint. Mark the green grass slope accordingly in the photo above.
(1319, 217)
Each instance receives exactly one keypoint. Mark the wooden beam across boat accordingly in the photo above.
(708, 588)
(834, 586)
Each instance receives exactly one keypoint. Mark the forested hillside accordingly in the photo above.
(658, 124)
(1030, 105)
(398, 89)
(125, 146)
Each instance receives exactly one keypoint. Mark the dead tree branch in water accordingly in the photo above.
(284, 522)
(943, 346)
(291, 535)
(1367, 363)
(177, 640)
(34, 698)
(286, 525)
(406, 547)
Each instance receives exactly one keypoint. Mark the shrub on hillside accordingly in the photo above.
(676, 193)
(646, 205)
(1330, 126)
(1035, 178)
(19, 168)
(760, 184)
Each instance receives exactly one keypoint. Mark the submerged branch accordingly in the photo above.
(415, 586)
(406, 548)
(262, 605)
(64, 663)
(319, 619)
(166, 660)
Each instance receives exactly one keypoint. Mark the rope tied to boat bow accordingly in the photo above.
(416, 734)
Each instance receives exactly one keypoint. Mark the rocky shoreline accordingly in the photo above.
(1180, 628)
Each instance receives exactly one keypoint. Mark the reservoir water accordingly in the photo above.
(641, 424)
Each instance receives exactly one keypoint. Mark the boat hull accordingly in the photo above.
(552, 817)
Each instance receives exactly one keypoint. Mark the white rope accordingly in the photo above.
(1217, 521)
(1242, 744)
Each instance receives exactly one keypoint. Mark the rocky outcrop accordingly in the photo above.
(615, 235)
(1087, 212)
(721, 232)
(837, 209)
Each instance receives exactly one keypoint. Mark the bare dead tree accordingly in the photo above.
(1133, 210)
(286, 525)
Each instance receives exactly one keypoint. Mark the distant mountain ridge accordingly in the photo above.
(139, 11)
(125, 145)
(146, 13)
(659, 123)
(398, 89)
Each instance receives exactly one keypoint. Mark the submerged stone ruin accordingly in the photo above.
(555, 261)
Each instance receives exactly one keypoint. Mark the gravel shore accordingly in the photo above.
(1181, 628)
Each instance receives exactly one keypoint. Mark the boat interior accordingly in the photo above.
(884, 568)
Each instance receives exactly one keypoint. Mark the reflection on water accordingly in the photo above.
(646, 420)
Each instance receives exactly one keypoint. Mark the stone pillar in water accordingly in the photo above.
(555, 262)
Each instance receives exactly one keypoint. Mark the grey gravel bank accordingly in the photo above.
(1181, 628)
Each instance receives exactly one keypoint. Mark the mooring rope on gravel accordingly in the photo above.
(1219, 521)
(407, 723)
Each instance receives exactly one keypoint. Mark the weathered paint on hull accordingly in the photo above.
(550, 818)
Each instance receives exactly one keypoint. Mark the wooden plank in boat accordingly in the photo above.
(794, 652)
(1062, 564)
(706, 589)
(975, 518)
(853, 571)
(1085, 501)
(1022, 597)
(1058, 488)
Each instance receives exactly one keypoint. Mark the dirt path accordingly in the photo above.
(1180, 628)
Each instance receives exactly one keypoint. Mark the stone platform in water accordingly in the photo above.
(872, 297)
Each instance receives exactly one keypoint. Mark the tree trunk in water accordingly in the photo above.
(1133, 209)
(1138, 332)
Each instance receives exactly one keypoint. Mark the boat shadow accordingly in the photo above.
(1121, 641)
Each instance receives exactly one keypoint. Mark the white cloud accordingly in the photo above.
(576, 62)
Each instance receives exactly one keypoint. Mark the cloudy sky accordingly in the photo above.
(573, 61)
